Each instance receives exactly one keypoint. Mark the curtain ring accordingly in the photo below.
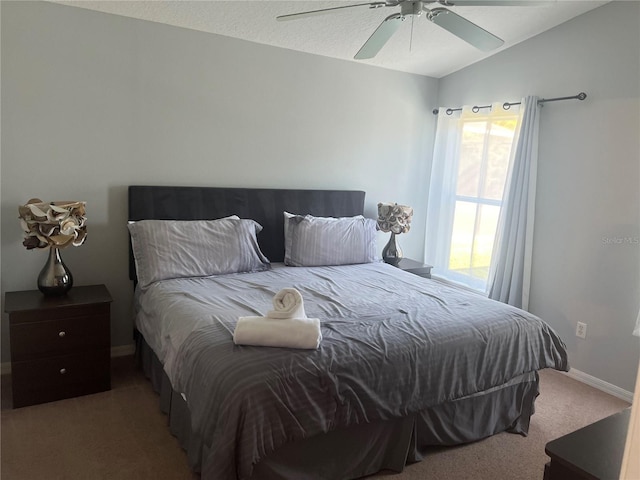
(449, 111)
(475, 109)
(506, 105)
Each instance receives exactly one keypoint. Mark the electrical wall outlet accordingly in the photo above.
(581, 330)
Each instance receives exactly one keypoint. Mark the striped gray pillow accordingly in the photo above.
(165, 249)
(317, 241)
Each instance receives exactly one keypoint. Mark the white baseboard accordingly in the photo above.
(120, 351)
(595, 382)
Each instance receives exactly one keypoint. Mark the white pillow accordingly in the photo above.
(165, 249)
(316, 241)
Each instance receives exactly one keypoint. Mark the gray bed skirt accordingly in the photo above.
(363, 449)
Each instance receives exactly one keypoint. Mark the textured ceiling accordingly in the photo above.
(429, 50)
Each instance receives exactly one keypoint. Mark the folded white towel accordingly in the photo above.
(286, 325)
(287, 303)
(272, 332)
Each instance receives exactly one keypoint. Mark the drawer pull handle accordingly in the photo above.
(62, 333)
(63, 371)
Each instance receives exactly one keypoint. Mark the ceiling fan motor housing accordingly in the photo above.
(411, 8)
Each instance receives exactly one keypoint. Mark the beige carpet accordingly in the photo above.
(121, 434)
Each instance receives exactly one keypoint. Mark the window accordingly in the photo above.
(478, 151)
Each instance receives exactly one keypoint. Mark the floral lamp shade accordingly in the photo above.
(53, 225)
(396, 219)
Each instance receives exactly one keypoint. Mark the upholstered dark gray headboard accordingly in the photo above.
(264, 205)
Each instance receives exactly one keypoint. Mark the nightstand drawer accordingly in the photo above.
(61, 377)
(34, 340)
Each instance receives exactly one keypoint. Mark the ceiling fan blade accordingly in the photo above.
(381, 36)
(493, 3)
(311, 13)
(464, 29)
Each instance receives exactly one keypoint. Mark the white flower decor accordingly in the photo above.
(55, 224)
(394, 218)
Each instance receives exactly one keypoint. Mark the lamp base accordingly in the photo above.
(391, 253)
(55, 279)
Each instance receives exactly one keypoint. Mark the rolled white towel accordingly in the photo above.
(270, 332)
(287, 303)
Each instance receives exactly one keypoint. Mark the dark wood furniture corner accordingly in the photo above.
(593, 452)
(412, 266)
(60, 346)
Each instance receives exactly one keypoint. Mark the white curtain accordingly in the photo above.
(476, 136)
(442, 190)
(510, 272)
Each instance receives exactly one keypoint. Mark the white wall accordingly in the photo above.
(586, 257)
(93, 102)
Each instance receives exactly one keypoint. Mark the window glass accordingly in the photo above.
(485, 149)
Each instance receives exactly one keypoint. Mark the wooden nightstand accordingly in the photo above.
(412, 266)
(60, 346)
(593, 452)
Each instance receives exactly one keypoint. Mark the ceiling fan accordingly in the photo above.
(443, 17)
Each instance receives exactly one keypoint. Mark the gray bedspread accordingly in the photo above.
(393, 344)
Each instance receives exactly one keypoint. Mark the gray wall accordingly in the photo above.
(93, 102)
(586, 257)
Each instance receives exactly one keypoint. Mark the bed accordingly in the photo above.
(405, 363)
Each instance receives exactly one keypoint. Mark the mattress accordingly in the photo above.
(394, 344)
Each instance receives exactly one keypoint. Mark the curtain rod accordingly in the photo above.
(507, 105)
